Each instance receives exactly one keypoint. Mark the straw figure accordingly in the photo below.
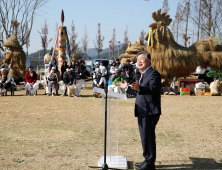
(131, 51)
(14, 56)
(174, 60)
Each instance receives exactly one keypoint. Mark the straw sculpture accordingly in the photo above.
(131, 51)
(174, 60)
(14, 56)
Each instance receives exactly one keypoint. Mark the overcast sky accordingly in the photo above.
(136, 14)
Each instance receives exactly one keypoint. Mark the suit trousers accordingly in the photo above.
(147, 125)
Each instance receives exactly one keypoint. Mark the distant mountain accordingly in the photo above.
(91, 53)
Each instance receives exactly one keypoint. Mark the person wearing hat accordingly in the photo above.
(128, 66)
(118, 65)
(69, 79)
(97, 80)
(5, 81)
(115, 79)
(31, 78)
(52, 82)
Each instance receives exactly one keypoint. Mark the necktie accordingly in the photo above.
(141, 77)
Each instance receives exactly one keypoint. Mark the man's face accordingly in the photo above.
(101, 64)
(69, 72)
(117, 72)
(73, 63)
(53, 70)
(97, 71)
(117, 61)
(30, 70)
(142, 62)
(128, 63)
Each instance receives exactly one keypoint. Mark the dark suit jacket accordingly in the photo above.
(129, 79)
(69, 79)
(148, 99)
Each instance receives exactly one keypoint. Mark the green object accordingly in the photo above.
(19, 160)
(116, 79)
(185, 93)
(214, 73)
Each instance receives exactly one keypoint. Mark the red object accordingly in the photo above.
(30, 79)
(185, 89)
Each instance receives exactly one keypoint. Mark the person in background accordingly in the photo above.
(136, 72)
(77, 70)
(128, 66)
(118, 65)
(31, 78)
(63, 68)
(5, 81)
(103, 70)
(128, 76)
(53, 63)
(69, 79)
(82, 72)
(72, 65)
(97, 81)
(52, 82)
(112, 68)
(115, 79)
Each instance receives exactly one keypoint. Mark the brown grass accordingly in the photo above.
(67, 133)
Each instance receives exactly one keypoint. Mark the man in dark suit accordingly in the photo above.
(147, 107)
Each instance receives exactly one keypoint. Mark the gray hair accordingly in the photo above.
(147, 54)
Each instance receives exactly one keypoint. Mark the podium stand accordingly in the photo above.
(113, 160)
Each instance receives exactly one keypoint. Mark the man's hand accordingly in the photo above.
(3, 84)
(122, 85)
(98, 85)
(31, 84)
(135, 86)
(67, 85)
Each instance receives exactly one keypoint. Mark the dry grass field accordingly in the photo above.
(63, 133)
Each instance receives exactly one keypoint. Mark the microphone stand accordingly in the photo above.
(105, 166)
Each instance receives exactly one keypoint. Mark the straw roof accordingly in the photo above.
(131, 52)
(174, 60)
(12, 42)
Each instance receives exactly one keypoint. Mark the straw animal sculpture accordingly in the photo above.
(174, 60)
(14, 56)
(131, 51)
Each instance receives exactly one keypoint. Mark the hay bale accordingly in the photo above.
(12, 42)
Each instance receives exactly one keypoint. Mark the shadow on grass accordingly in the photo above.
(197, 163)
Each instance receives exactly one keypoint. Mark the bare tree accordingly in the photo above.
(166, 6)
(113, 42)
(208, 17)
(186, 14)
(27, 37)
(72, 37)
(142, 36)
(125, 40)
(22, 11)
(99, 40)
(178, 20)
(85, 44)
(44, 37)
